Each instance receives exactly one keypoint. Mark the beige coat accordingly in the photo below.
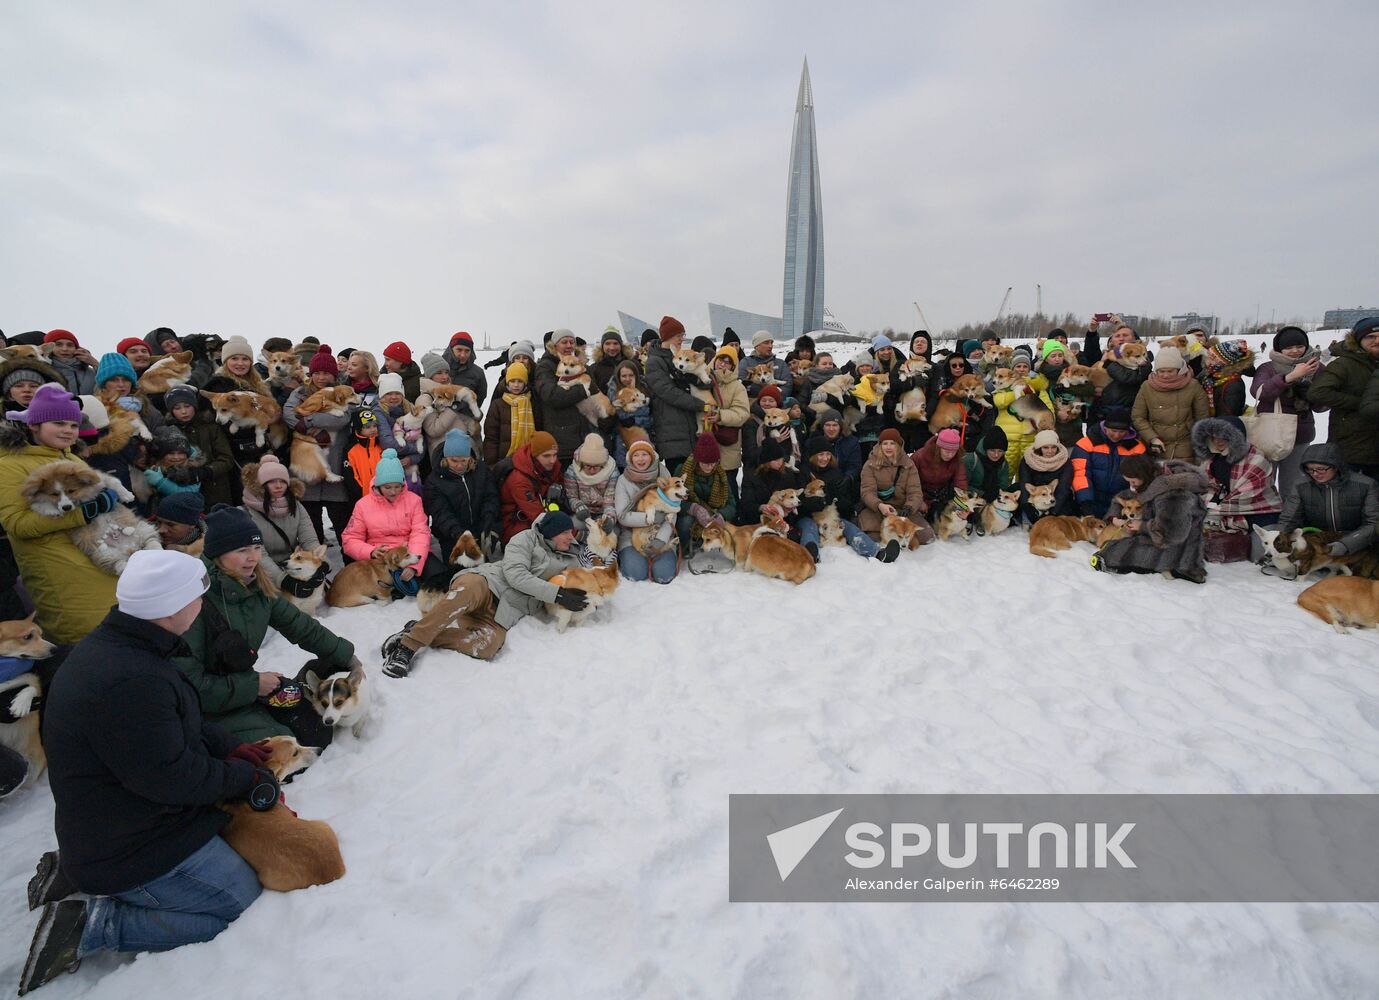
(1169, 416)
(733, 413)
(878, 474)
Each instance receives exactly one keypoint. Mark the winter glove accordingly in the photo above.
(1157, 448)
(103, 503)
(581, 510)
(263, 795)
(250, 753)
(492, 546)
(818, 396)
(1337, 549)
(130, 403)
(555, 493)
(657, 516)
(627, 420)
(288, 695)
(700, 513)
(572, 599)
(717, 521)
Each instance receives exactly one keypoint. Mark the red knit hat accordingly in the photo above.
(129, 342)
(53, 336)
(706, 449)
(399, 352)
(463, 339)
(323, 361)
(773, 391)
(671, 327)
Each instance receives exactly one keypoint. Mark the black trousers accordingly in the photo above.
(339, 511)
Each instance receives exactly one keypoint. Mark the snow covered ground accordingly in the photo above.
(555, 823)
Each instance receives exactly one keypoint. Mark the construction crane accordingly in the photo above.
(1005, 300)
(922, 317)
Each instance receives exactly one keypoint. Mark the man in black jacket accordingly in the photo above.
(136, 775)
(1333, 498)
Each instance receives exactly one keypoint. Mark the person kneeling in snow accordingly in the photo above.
(1167, 538)
(484, 603)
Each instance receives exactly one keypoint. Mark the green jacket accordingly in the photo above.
(1340, 387)
(976, 475)
(231, 700)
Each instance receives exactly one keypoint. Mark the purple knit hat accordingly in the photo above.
(50, 402)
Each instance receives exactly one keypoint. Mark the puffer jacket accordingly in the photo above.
(560, 416)
(522, 497)
(675, 412)
(379, 521)
(231, 699)
(1096, 468)
(1168, 416)
(521, 582)
(71, 593)
(1348, 503)
(939, 478)
(1249, 488)
(498, 425)
(336, 428)
(733, 412)
(881, 474)
(1121, 391)
(1341, 387)
(460, 502)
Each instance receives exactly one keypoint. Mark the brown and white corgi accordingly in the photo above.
(835, 393)
(758, 549)
(953, 520)
(1041, 498)
(306, 570)
(629, 399)
(285, 371)
(109, 539)
(966, 392)
(598, 585)
(830, 527)
(1075, 375)
(286, 851)
(1343, 601)
(1130, 508)
(911, 407)
(446, 407)
(997, 515)
(998, 356)
(368, 581)
(902, 530)
(570, 373)
(167, 372)
(241, 410)
(1050, 535)
(308, 457)
(22, 639)
(1131, 355)
(667, 495)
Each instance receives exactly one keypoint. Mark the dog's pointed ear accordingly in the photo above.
(312, 682)
(356, 672)
(208, 395)
(319, 552)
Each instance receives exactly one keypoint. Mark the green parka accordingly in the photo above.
(1340, 387)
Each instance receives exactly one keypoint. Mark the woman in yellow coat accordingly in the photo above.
(71, 593)
(1019, 431)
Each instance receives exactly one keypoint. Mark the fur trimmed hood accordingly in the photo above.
(249, 476)
(14, 435)
(1216, 427)
(1177, 475)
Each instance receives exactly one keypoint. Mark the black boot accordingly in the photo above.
(48, 884)
(813, 551)
(399, 662)
(53, 950)
(890, 553)
(391, 643)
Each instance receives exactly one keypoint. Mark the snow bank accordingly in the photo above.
(555, 823)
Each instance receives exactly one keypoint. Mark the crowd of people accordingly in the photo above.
(1155, 441)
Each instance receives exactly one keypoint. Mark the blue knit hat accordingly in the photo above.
(554, 523)
(456, 444)
(112, 365)
(181, 508)
(880, 341)
(388, 470)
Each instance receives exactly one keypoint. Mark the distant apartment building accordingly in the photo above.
(1344, 319)
(1191, 321)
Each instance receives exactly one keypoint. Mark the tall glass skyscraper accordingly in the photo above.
(803, 308)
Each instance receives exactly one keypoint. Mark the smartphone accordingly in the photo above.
(1101, 317)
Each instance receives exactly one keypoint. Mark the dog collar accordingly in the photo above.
(1007, 514)
(675, 504)
(566, 378)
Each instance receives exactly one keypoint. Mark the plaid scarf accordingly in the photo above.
(523, 423)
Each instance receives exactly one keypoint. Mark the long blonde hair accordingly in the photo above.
(261, 580)
(371, 362)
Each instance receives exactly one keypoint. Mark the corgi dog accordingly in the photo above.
(1067, 411)
(1050, 535)
(1031, 408)
(368, 581)
(598, 585)
(1041, 498)
(1180, 342)
(1002, 379)
(1302, 552)
(446, 407)
(308, 457)
(23, 640)
(667, 495)
(798, 366)
(569, 373)
(912, 407)
(761, 376)
(759, 549)
(1130, 508)
(833, 394)
(855, 409)
(601, 538)
(58, 488)
(830, 527)
(168, 372)
(998, 356)
(285, 372)
(286, 851)
(407, 429)
(787, 500)
(953, 521)
(23, 351)
(997, 515)
(967, 391)
(304, 579)
(341, 698)
(902, 530)
(1131, 355)
(1075, 375)
(629, 399)
(1343, 601)
(240, 410)
(688, 361)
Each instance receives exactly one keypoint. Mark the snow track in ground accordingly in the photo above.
(555, 823)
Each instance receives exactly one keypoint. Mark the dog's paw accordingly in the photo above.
(333, 478)
(23, 703)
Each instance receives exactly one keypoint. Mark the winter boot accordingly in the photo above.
(813, 551)
(398, 663)
(53, 950)
(48, 884)
(890, 553)
(391, 643)
(1192, 576)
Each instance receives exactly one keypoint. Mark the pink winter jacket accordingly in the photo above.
(377, 521)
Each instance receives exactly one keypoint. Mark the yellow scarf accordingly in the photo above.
(523, 425)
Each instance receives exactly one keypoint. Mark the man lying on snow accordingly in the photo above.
(136, 774)
(481, 605)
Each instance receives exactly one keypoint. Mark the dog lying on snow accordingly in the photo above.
(1050, 535)
(368, 581)
(758, 549)
(109, 539)
(1343, 601)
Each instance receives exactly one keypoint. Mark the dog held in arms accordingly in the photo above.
(109, 539)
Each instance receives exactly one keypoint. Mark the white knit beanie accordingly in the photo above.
(389, 382)
(157, 583)
(1169, 358)
(236, 347)
(592, 451)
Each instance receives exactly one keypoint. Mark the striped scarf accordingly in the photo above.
(523, 424)
(718, 488)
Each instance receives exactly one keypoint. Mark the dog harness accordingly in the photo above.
(304, 588)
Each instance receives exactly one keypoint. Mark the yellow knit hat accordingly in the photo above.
(517, 372)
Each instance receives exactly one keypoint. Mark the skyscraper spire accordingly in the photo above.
(803, 306)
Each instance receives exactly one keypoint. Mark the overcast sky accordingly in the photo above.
(366, 174)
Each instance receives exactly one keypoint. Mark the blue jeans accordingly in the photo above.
(194, 902)
(858, 540)
(633, 566)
